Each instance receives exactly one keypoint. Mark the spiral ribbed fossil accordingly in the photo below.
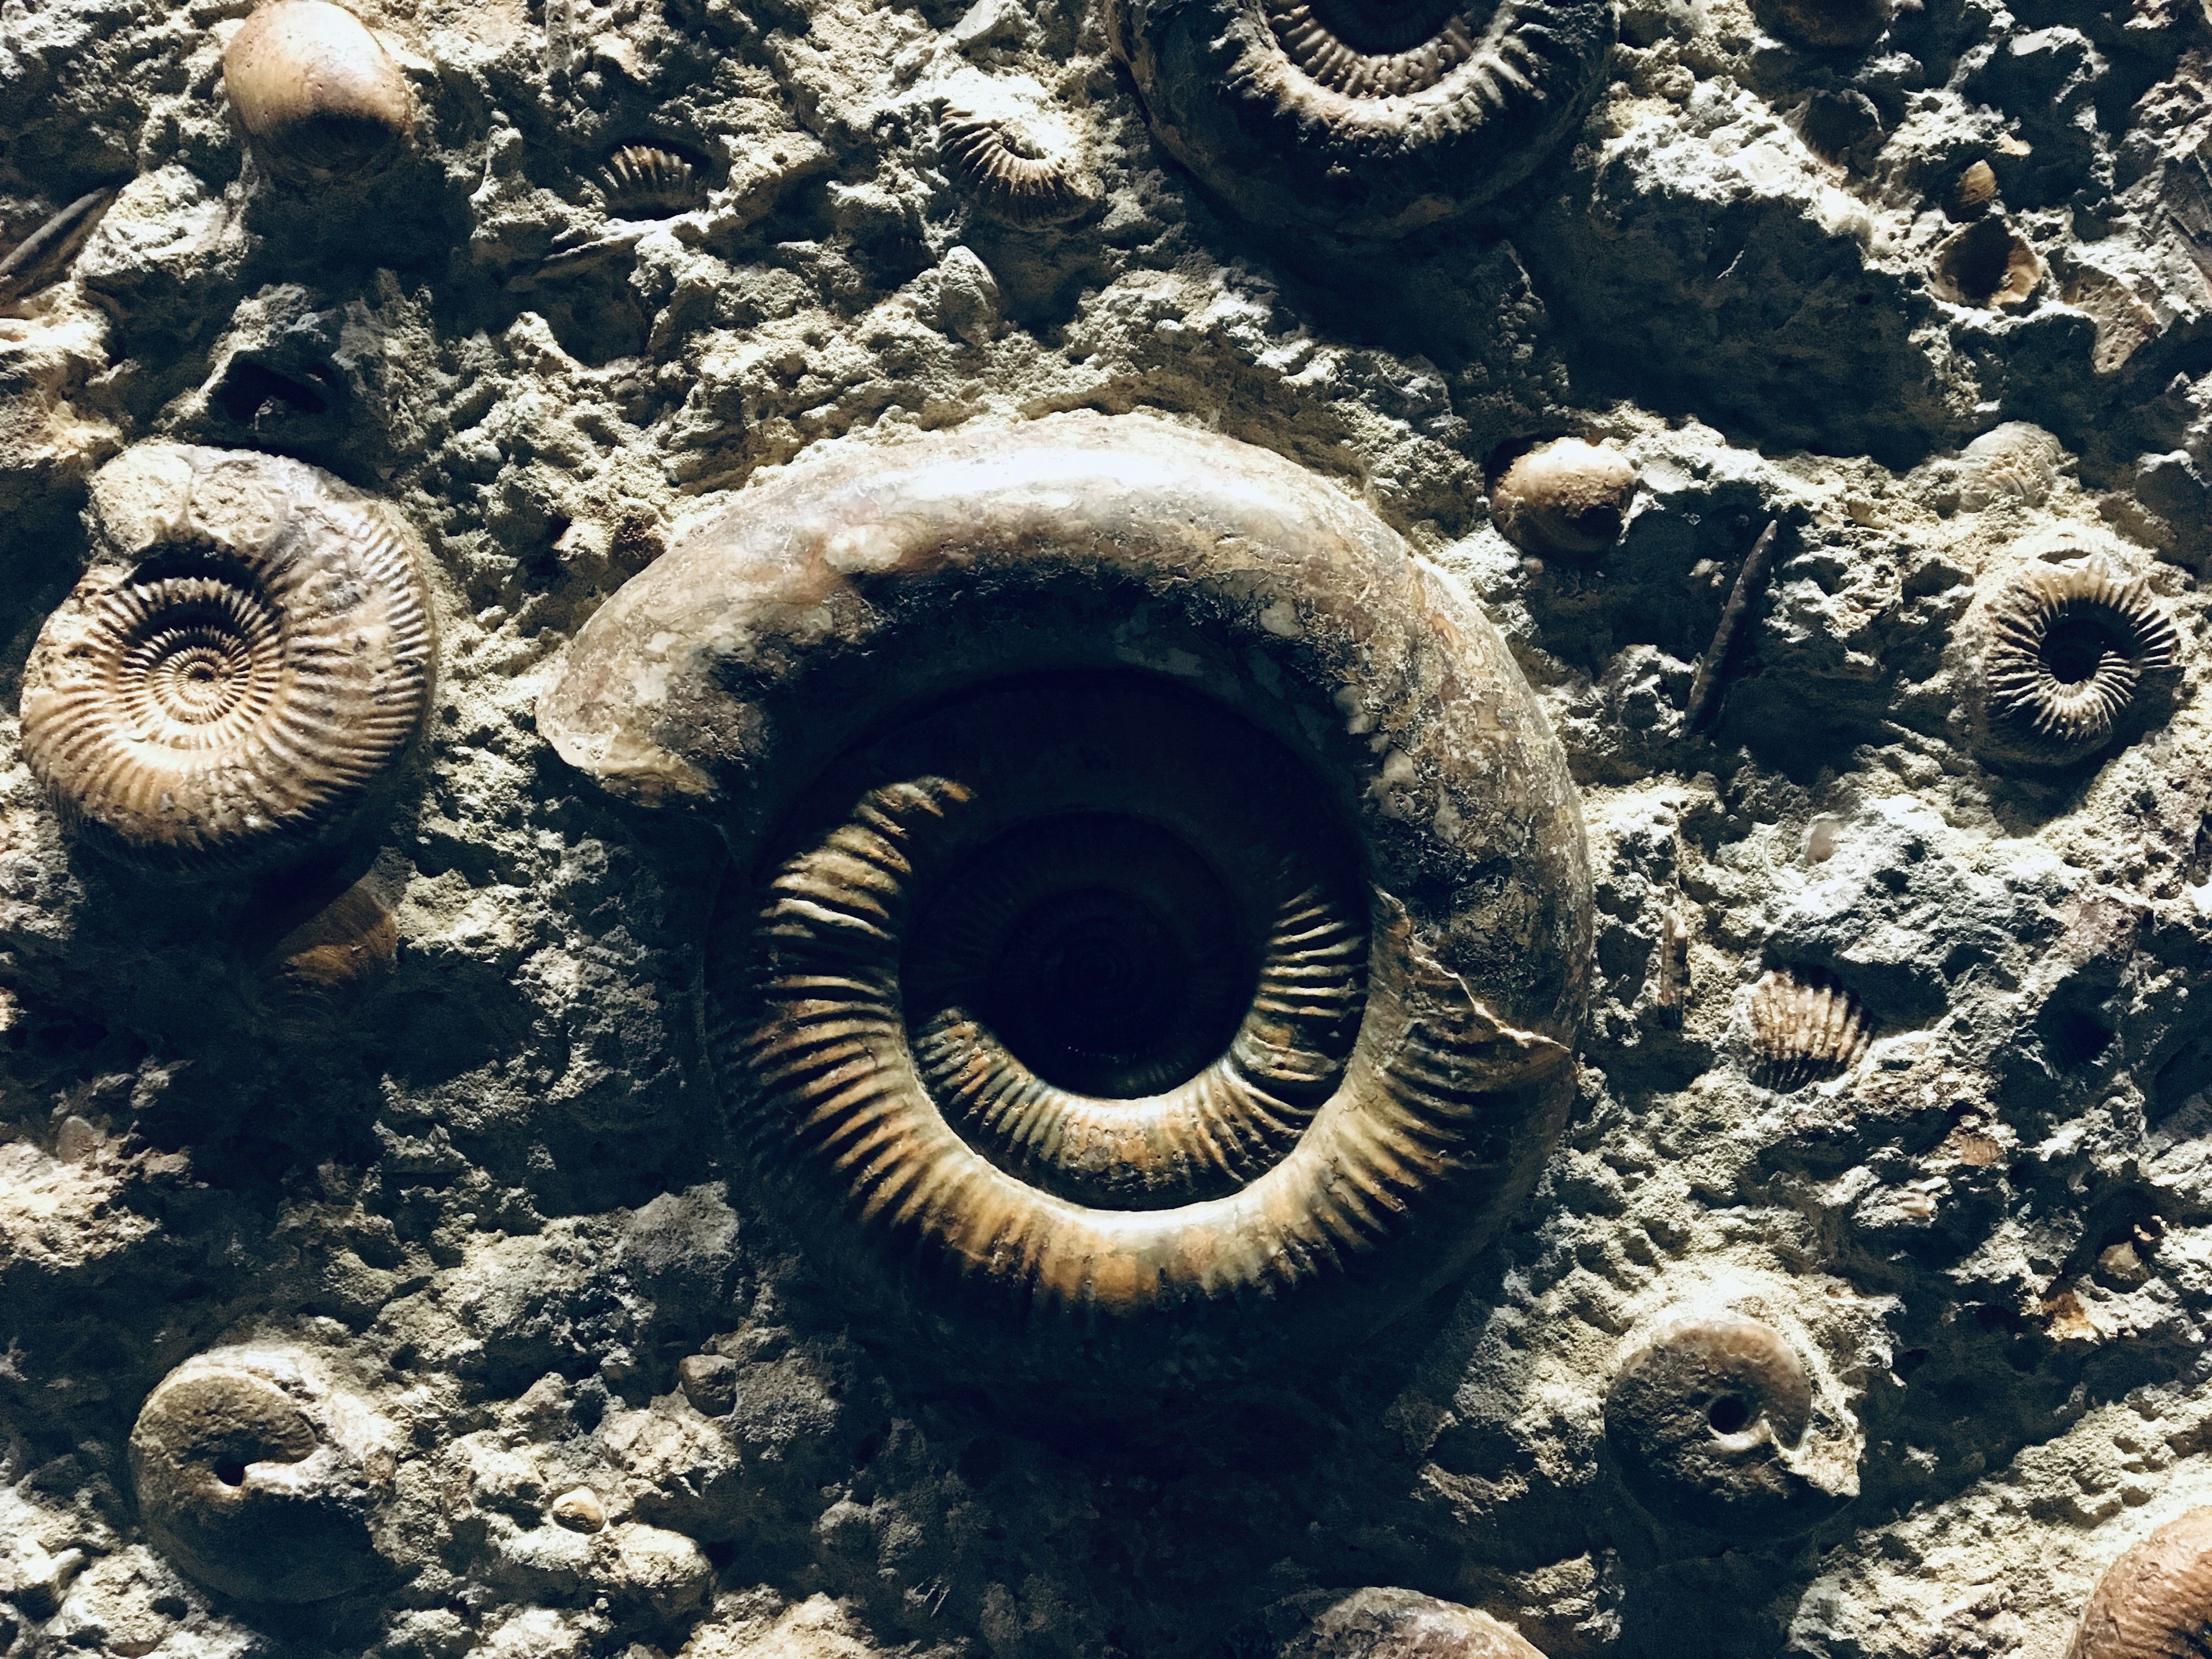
(1565, 496)
(245, 681)
(2011, 462)
(259, 1478)
(1367, 118)
(1806, 1026)
(645, 181)
(2155, 1600)
(2072, 650)
(1108, 972)
(1015, 178)
(320, 98)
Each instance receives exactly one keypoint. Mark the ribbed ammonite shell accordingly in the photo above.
(2155, 1601)
(316, 92)
(1804, 1025)
(1014, 176)
(2070, 651)
(1160, 920)
(245, 679)
(2012, 462)
(1366, 117)
(646, 181)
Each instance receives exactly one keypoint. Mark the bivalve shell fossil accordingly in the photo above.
(2074, 653)
(1565, 496)
(1804, 1025)
(1381, 1623)
(1365, 120)
(1014, 175)
(2155, 1600)
(244, 680)
(648, 181)
(1108, 976)
(318, 94)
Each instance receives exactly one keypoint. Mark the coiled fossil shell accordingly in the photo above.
(1117, 971)
(1366, 119)
(1565, 496)
(644, 181)
(2014, 461)
(1014, 176)
(1702, 1420)
(318, 94)
(244, 681)
(1836, 24)
(2072, 654)
(2155, 1600)
(1806, 1026)
(259, 1478)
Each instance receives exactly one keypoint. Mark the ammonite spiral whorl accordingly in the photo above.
(1162, 919)
(2155, 1600)
(244, 677)
(1365, 118)
(2070, 653)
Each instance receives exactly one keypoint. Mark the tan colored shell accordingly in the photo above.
(1805, 1026)
(2014, 461)
(1565, 496)
(1833, 24)
(578, 1510)
(1014, 178)
(2155, 1600)
(2070, 648)
(245, 681)
(644, 181)
(320, 98)
(1973, 191)
(318, 972)
(1986, 263)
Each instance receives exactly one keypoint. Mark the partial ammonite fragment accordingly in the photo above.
(1804, 1025)
(1018, 171)
(2155, 1600)
(317, 93)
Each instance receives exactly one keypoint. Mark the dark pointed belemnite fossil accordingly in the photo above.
(42, 256)
(1014, 177)
(2071, 649)
(318, 93)
(1565, 496)
(2155, 1600)
(648, 181)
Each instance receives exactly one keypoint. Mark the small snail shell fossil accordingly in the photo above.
(259, 1478)
(1014, 176)
(2155, 1600)
(1806, 1026)
(2011, 462)
(320, 98)
(1565, 496)
(2071, 651)
(242, 685)
(1834, 24)
(1107, 980)
(1364, 120)
(645, 181)
(1701, 1419)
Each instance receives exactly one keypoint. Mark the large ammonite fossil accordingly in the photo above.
(1367, 118)
(1159, 917)
(2155, 1601)
(243, 674)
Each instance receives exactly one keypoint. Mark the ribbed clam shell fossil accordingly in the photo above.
(2071, 649)
(318, 94)
(1565, 496)
(2155, 1600)
(1805, 1026)
(1107, 975)
(1014, 178)
(243, 684)
(1834, 24)
(1366, 117)
(2012, 462)
(646, 181)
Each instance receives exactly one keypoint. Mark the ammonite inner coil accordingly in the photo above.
(1159, 917)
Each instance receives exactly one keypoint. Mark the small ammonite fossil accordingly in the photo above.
(243, 678)
(2155, 1600)
(649, 181)
(319, 95)
(1014, 175)
(1703, 1419)
(1565, 496)
(1804, 1025)
(1118, 974)
(2074, 652)
(2014, 461)
(260, 1478)
(1833, 24)
(1365, 119)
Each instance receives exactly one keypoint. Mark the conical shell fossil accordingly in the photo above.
(2155, 1600)
(1014, 178)
(1361, 120)
(2071, 651)
(2012, 462)
(1805, 1026)
(245, 681)
(44, 254)
(646, 181)
(1094, 991)
(320, 98)
(1565, 496)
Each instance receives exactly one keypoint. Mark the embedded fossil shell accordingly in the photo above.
(1985, 264)
(317, 93)
(44, 254)
(2014, 461)
(644, 181)
(2073, 651)
(578, 1511)
(1806, 1026)
(1835, 24)
(1109, 974)
(1701, 1420)
(2155, 1600)
(1365, 118)
(1972, 192)
(320, 970)
(1565, 496)
(1014, 178)
(1391, 1624)
(245, 681)
(260, 1479)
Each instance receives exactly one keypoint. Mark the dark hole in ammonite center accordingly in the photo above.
(2074, 647)
(1381, 27)
(1728, 1415)
(230, 1472)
